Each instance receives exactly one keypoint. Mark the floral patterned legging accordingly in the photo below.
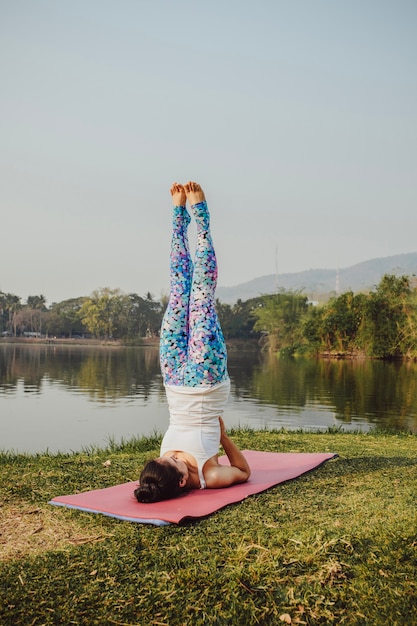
(192, 347)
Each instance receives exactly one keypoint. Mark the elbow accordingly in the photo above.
(246, 474)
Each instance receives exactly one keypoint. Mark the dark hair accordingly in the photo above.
(158, 481)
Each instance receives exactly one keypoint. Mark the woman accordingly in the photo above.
(194, 368)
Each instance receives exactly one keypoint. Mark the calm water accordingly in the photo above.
(65, 398)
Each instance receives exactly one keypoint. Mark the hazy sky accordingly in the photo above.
(298, 118)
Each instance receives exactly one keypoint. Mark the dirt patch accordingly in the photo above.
(27, 531)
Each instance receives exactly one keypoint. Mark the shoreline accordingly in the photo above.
(141, 342)
(233, 345)
(147, 442)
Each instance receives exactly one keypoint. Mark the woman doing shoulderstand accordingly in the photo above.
(194, 368)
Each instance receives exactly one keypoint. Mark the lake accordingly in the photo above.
(65, 398)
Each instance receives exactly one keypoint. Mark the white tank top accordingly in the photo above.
(194, 425)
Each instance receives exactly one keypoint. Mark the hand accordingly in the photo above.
(223, 432)
(237, 472)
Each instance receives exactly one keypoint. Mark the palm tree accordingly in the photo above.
(2, 309)
(12, 305)
(38, 303)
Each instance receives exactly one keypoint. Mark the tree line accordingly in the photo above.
(106, 314)
(380, 324)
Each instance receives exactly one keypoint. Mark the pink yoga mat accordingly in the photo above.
(268, 469)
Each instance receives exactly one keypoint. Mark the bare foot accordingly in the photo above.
(178, 195)
(194, 193)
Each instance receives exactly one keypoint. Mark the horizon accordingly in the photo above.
(336, 270)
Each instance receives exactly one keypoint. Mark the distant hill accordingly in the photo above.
(320, 282)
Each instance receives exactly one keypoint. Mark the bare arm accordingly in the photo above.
(223, 475)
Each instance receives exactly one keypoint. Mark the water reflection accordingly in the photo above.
(102, 373)
(64, 398)
(379, 393)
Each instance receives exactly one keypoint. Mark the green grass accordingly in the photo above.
(336, 546)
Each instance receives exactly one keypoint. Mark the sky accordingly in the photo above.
(297, 117)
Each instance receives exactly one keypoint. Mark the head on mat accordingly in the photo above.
(159, 481)
(194, 366)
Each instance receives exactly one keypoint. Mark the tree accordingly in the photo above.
(64, 317)
(314, 329)
(244, 318)
(2, 310)
(280, 317)
(143, 316)
(237, 321)
(153, 315)
(37, 302)
(341, 319)
(104, 313)
(225, 315)
(36, 305)
(388, 312)
(408, 330)
(12, 304)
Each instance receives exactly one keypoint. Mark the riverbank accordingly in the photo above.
(153, 342)
(336, 546)
(233, 345)
(71, 341)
